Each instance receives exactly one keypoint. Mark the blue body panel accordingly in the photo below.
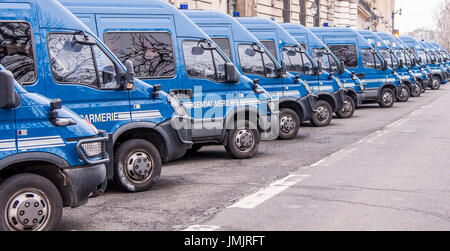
(108, 108)
(311, 42)
(219, 25)
(141, 16)
(267, 30)
(374, 79)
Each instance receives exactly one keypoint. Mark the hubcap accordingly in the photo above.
(387, 98)
(244, 140)
(139, 167)
(403, 94)
(28, 210)
(322, 113)
(435, 83)
(287, 124)
(346, 107)
(417, 89)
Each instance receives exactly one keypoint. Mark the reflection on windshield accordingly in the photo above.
(296, 60)
(325, 56)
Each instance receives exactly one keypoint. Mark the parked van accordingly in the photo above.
(49, 158)
(444, 55)
(53, 53)
(403, 53)
(382, 83)
(288, 51)
(409, 87)
(435, 51)
(296, 101)
(435, 70)
(320, 52)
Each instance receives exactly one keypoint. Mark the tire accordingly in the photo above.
(416, 90)
(289, 124)
(29, 202)
(137, 166)
(193, 150)
(347, 109)
(387, 98)
(424, 87)
(323, 115)
(404, 95)
(436, 83)
(242, 142)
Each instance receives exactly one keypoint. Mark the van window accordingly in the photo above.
(151, 52)
(74, 63)
(346, 53)
(369, 59)
(254, 60)
(224, 44)
(297, 61)
(17, 51)
(271, 47)
(324, 55)
(203, 61)
(389, 58)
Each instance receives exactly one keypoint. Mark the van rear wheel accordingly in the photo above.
(242, 142)
(29, 202)
(137, 166)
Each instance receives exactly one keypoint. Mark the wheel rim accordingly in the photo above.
(139, 166)
(387, 98)
(435, 83)
(417, 89)
(28, 210)
(322, 113)
(287, 124)
(404, 93)
(346, 107)
(244, 140)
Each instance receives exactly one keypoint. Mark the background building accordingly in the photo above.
(358, 14)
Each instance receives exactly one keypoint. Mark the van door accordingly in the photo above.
(7, 133)
(85, 78)
(212, 98)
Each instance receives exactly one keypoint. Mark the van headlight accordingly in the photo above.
(339, 83)
(272, 106)
(307, 87)
(361, 86)
(176, 105)
(92, 149)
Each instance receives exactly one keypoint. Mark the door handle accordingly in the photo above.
(185, 92)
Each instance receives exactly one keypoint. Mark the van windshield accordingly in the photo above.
(389, 57)
(370, 58)
(296, 60)
(255, 60)
(327, 58)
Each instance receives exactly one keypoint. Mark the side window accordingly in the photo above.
(271, 47)
(17, 51)
(251, 61)
(202, 61)
(370, 59)
(346, 53)
(74, 63)
(269, 66)
(151, 52)
(297, 60)
(319, 54)
(224, 44)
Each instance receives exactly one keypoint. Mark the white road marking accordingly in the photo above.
(202, 228)
(273, 189)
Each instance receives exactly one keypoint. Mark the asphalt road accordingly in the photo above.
(383, 169)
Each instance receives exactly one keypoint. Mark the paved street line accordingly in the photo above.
(202, 228)
(273, 189)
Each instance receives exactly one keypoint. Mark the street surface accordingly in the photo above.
(383, 169)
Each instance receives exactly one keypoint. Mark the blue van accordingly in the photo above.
(409, 86)
(444, 55)
(53, 53)
(382, 83)
(288, 51)
(436, 52)
(435, 59)
(296, 102)
(320, 52)
(49, 158)
(167, 48)
(434, 69)
(403, 53)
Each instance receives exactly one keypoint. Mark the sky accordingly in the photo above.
(416, 14)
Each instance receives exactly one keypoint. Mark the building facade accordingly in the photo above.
(357, 14)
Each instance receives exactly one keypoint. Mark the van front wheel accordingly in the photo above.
(404, 94)
(29, 202)
(243, 141)
(347, 109)
(386, 98)
(323, 114)
(137, 165)
(289, 124)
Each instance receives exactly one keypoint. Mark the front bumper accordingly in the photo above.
(177, 140)
(82, 181)
(308, 104)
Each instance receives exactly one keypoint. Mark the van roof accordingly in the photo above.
(260, 23)
(211, 18)
(339, 32)
(184, 26)
(294, 29)
(373, 39)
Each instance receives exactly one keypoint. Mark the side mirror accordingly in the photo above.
(319, 68)
(231, 76)
(256, 87)
(129, 76)
(401, 64)
(283, 70)
(385, 65)
(413, 62)
(341, 67)
(84, 39)
(8, 97)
